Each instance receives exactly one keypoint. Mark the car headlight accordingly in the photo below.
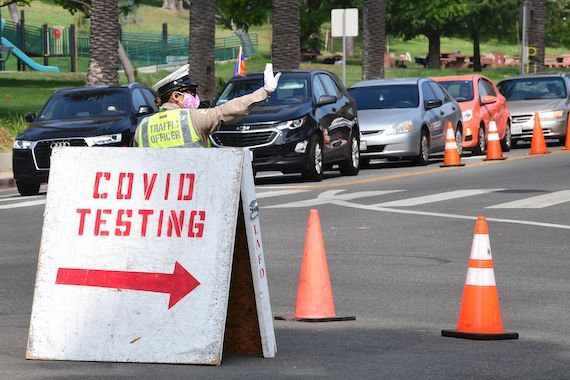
(22, 144)
(104, 140)
(551, 114)
(403, 127)
(291, 124)
(467, 115)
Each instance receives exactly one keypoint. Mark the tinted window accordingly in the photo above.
(533, 88)
(462, 91)
(482, 89)
(290, 90)
(138, 99)
(330, 86)
(383, 97)
(440, 95)
(150, 98)
(85, 104)
(318, 88)
(489, 87)
(427, 92)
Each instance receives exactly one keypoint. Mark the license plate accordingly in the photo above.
(363, 145)
(516, 129)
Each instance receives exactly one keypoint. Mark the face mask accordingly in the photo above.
(190, 101)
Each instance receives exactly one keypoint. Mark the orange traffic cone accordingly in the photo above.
(315, 301)
(451, 153)
(538, 144)
(494, 151)
(480, 314)
(567, 145)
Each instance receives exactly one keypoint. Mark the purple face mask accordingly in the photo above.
(190, 101)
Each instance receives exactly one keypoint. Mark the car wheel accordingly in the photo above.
(351, 165)
(423, 155)
(314, 168)
(562, 140)
(459, 140)
(364, 162)
(507, 141)
(28, 188)
(481, 147)
(514, 143)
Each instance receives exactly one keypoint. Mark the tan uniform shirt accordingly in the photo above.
(208, 120)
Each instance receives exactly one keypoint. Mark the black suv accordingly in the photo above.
(85, 116)
(308, 124)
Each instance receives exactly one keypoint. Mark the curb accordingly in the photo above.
(7, 183)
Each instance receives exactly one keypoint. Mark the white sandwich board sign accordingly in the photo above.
(344, 22)
(151, 256)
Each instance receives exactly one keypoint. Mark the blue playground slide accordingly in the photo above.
(24, 58)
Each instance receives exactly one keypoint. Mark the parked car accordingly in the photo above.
(86, 116)
(480, 102)
(404, 118)
(307, 124)
(547, 94)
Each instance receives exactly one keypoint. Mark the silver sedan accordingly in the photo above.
(404, 118)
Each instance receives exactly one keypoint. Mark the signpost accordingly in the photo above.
(151, 256)
(344, 23)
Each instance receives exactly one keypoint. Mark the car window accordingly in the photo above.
(385, 97)
(150, 98)
(533, 88)
(439, 94)
(290, 90)
(462, 91)
(138, 99)
(318, 88)
(489, 87)
(330, 86)
(85, 104)
(482, 89)
(428, 92)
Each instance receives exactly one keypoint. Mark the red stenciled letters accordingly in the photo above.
(182, 195)
(126, 224)
(96, 193)
(130, 177)
(148, 187)
(82, 212)
(99, 221)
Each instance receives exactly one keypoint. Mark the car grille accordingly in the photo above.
(521, 118)
(42, 151)
(247, 139)
(364, 133)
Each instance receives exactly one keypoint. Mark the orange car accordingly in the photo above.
(480, 102)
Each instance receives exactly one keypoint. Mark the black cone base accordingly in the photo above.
(450, 165)
(495, 159)
(477, 336)
(329, 319)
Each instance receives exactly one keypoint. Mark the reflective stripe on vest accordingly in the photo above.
(169, 129)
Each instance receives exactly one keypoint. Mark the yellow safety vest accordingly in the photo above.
(169, 129)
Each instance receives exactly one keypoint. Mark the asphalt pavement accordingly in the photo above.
(398, 239)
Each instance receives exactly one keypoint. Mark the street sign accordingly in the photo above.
(147, 256)
(347, 17)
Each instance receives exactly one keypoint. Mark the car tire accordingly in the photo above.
(314, 164)
(423, 156)
(459, 140)
(514, 143)
(507, 141)
(364, 162)
(481, 146)
(562, 140)
(28, 188)
(351, 165)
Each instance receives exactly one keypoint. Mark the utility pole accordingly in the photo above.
(524, 37)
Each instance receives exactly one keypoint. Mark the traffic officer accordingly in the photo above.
(180, 124)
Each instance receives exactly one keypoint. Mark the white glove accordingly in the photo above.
(270, 81)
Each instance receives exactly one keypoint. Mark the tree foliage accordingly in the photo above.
(241, 14)
(5, 3)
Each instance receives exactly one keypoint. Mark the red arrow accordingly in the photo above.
(177, 284)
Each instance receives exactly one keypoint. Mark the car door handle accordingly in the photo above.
(441, 113)
(453, 108)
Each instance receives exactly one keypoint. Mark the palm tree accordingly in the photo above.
(104, 43)
(374, 39)
(536, 34)
(285, 45)
(203, 46)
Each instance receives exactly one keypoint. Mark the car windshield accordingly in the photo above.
(85, 104)
(290, 90)
(387, 96)
(460, 90)
(533, 88)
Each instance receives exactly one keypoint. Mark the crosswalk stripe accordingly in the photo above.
(432, 198)
(23, 204)
(18, 198)
(330, 196)
(540, 201)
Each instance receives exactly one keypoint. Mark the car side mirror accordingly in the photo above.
(434, 103)
(488, 99)
(30, 117)
(144, 110)
(326, 99)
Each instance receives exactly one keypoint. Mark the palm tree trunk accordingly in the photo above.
(104, 43)
(536, 35)
(374, 39)
(202, 47)
(126, 63)
(286, 43)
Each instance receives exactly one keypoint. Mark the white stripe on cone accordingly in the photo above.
(450, 142)
(481, 247)
(493, 131)
(480, 277)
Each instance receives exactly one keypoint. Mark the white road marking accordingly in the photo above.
(436, 197)
(19, 198)
(277, 193)
(261, 187)
(23, 204)
(539, 201)
(330, 196)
